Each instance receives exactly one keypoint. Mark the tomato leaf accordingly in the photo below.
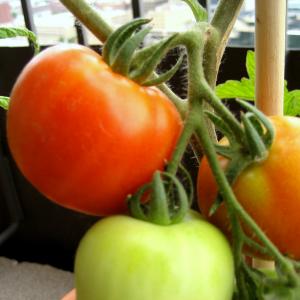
(4, 101)
(292, 103)
(231, 89)
(245, 89)
(250, 64)
(10, 32)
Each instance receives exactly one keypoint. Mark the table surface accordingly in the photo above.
(31, 281)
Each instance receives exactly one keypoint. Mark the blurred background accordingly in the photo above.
(54, 24)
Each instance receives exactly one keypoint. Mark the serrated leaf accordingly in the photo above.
(244, 89)
(250, 64)
(292, 103)
(231, 89)
(4, 102)
(11, 32)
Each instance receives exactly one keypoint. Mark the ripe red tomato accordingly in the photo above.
(269, 191)
(85, 136)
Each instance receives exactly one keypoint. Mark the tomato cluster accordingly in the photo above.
(87, 137)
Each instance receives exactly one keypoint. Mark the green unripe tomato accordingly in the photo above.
(124, 258)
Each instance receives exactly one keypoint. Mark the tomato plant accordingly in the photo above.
(269, 191)
(85, 136)
(124, 258)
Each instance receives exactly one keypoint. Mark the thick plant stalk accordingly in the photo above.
(223, 22)
(89, 17)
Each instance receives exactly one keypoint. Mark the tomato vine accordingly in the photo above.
(249, 140)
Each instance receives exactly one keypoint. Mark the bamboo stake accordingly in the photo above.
(270, 43)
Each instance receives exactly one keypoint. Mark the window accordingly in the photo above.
(168, 16)
(243, 32)
(115, 12)
(293, 21)
(54, 24)
(11, 15)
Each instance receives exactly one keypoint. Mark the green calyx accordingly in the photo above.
(164, 201)
(258, 135)
(121, 53)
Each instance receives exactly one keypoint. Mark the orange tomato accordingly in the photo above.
(268, 191)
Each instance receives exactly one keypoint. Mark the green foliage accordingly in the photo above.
(4, 101)
(10, 32)
(245, 89)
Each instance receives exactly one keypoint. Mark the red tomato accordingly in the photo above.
(85, 136)
(269, 191)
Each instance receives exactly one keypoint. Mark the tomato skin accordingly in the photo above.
(125, 258)
(268, 191)
(84, 136)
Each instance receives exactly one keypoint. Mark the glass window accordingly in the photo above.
(243, 31)
(53, 22)
(242, 34)
(294, 24)
(167, 16)
(11, 15)
(115, 12)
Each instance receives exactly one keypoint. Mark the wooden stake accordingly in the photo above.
(270, 30)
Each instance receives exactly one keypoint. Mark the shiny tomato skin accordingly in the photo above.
(124, 258)
(85, 136)
(269, 191)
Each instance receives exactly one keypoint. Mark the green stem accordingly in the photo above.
(218, 35)
(210, 61)
(159, 210)
(180, 104)
(89, 17)
(272, 249)
(225, 191)
(208, 94)
(223, 21)
(184, 139)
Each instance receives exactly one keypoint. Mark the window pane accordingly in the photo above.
(243, 31)
(115, 12)
(294, 24)
(242, 34)
(53, 22)
(167, 16)
(11, 15)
